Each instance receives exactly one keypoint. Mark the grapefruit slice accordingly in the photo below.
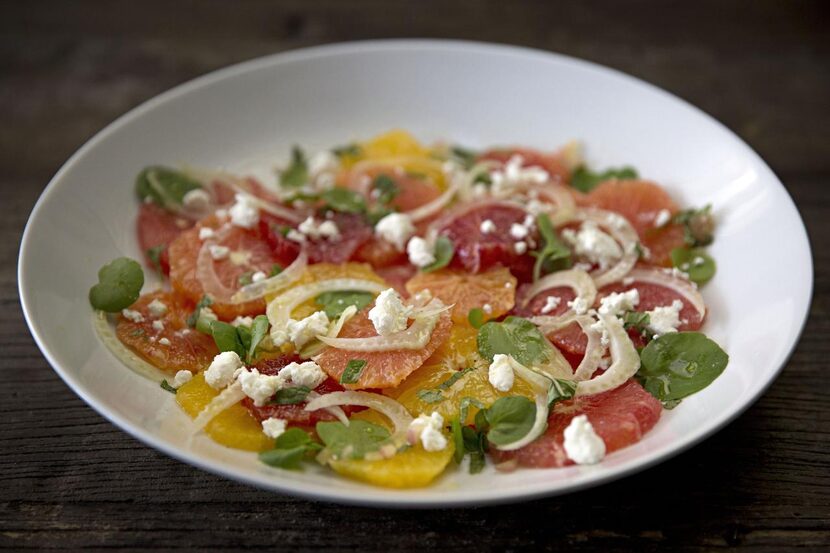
(621, 417)
(157, 228)
(383, 369)
(354, 231)
(552, 163)
(495, 288)
(570, 340)
(172, 348)
(654, 295)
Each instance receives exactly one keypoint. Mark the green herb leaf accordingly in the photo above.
(259, 329)
(586, 180)
(695, 262)
(430, 396)
(698, 225)
(464, 406)
(560, 390)
(154, 255)
(443, 253)
(554, 255)
(290, 448)
(164, 186)
(227, 338)
(475, 443)
(245, 278)
(119, 285)
(354, 368)
(353, 441)
(466, 158)
(510, 419)
(343, 200)
(679, 364)
(476, 317)
(637, 321)
(514, 336)
(290, 396)
(275, 270)
(334, 303)
(387, 188)
(458, 440)
(166, 386)
(477, 462)
(296, 174)
(456, 376)
(194, 317)
(349, 150)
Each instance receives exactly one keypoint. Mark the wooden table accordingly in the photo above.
(70, 480)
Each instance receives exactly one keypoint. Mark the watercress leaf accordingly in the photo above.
(385, 188)
(293, 437)
(166, 386)
(244, 334)
(296, 174)
(430, 396)
(510, 419)
(458, 440)
(343, 200)
(553, 255)
(119, 285)
(560, 390)
(284, 458)
(354, 368)
(206, 301)
(353, 441)
(696, 262)
(164, 186)
(443, 253)
(290, 396)
(679, 364)
(585, 180)
(227, 337)
(476, 317)
(334, 303)
(259, 329)
(514, 336)
(671, 404)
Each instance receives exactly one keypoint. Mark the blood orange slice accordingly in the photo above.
(354, 231)
(493, 290)
(157, 228)
(383, 369)
(166, 341)
(621, 417)
(654, 295)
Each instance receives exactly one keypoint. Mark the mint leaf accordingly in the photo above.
(443, 253)
(290, 396)
(334, 303)
(296, 174)
(354, 368)
(227, 338)
(510, 419)
(514, 336)
(164, 186)
(430, 396)
(476, 317)
(166, 386)
(290, 448)
(353, 441)
(554, 255)
(119, 285)
(586, 180)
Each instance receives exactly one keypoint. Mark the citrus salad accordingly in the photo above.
(393, 310)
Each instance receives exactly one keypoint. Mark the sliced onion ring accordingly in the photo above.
(576, 279)
(387, 406)
(685, 288)
(540, 385)
(593, 351)
(624, 357)
(256, 290)
(334, 410)
(429, 209)
(206, 274)
(622, 231)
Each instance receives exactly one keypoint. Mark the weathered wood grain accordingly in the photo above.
(70, 480)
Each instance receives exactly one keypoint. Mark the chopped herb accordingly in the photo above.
(334, 303)
(119, 285)
(694, 261)
(464, 405)
(353, 441)
(275, 270)
(343, 200)
(290, 448)
(430, 396)
(476, 317)
(554, 255)
(166, 386)
(353, 370)
(443, 253)
(386, 187)
(639, 250)
(164, 186)
(466, 158)
(698, 225)
(585, 180)
(137, 332)
(456, 376)
(296, 174)
(194, 317)
(560, 390)
(246, 278)
(458, 440)
(378, 213)
(349, 150)
(636, 320)
(290, 396)
(154, 255)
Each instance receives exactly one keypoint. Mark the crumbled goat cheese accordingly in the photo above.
(295, 236)
(322, 162)
(514, 174)
(205, 233)
(420, 252)
(221, 371)
(132, 315)
(273, 427)
(551, 303)
(600, 328)
(520, 247)
(518, 231)
(579, 305)
(244, 212)
(218, 252)
(662, 218)
(181, 378)
(487, 308)
(665, 319)
(307, 373)
(303, 331)
(164, 341)
(157, 308)
(389, 315)
(242, 321)
(314, 230)
(395, 228)
(593, 244)
(258, 276)
(158, 325)
(582, 444)
(500, 373)
(487, 226)
(196, 200)
(618, 303)
(259, 387)
(427, 429)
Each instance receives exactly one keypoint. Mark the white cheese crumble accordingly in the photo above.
(662, 219)
(258, 276)
(520, 247)
(582, 444)
(307, 373)
(157, 308)
(322, 162)
(205, 233)
(551, 303)
(593, 244)
(218, 252)
(314, 230)
(513, 174)
(427, 429)
(132, 315)
(242, 321)
(617, 303)
(420, 252)
(665, 319)
(196, 200)
(244, 212)
(395, 228)
(164, 341)
(259, 387)
(518, 231)
(303, 331)
(579, 305)
(221, 371)
(600, 328)
(295, 236)
(487, 226)
(500, 374)
(389, 315)
(487, 308)
(273, 427)
(181, 378)
(158, 325)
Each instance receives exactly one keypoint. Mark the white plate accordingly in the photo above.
(474, 94)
